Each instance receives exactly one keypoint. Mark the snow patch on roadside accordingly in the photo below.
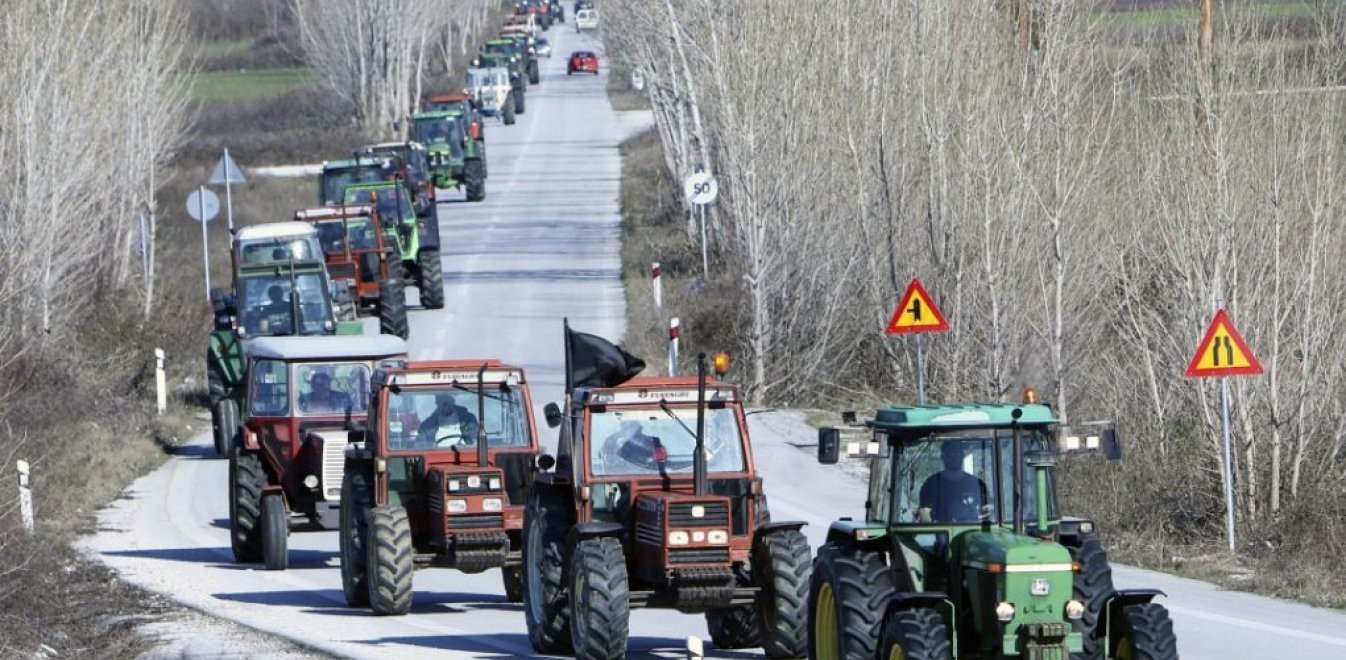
(286, 171)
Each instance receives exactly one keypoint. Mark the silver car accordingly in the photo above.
(542, 47)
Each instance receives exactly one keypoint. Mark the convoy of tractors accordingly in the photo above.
(652, 499)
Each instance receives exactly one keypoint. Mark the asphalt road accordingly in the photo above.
(545, 245)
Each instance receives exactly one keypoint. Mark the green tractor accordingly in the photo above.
(963, 551)
(456, 159)
(520, 49)
(337, 174)
(279, 275)
(414, 239)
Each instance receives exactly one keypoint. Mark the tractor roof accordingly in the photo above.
(334, 212)
(650, 390)
(334, 347)
(445, 372)
(456, 97)
(975, 415)
(390, 146)
(435, 114)
(350, 163)
(274, 230)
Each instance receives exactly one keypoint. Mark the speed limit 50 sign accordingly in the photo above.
(700, 188)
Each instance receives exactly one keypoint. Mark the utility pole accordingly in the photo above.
(1205, 74)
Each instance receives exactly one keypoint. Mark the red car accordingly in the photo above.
(582, 60)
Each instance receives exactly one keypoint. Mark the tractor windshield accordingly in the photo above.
(952, 477)
(478, 78)
(500, 48)
(265, 309)
(273, 251)
(334, 182)
(387, 202)
(336, 234)
(327, 389)
(447, 418)
(430, 131)
(648, 441)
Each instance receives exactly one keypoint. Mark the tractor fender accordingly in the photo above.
(773, 527)
(591, 530)
(428, 225)
(1121, 598)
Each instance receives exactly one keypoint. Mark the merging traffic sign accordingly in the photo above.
(1223, 352)
(916, 313)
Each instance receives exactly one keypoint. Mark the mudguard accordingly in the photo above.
(428, 226)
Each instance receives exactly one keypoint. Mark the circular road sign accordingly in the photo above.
(203, 205)
(700, 188)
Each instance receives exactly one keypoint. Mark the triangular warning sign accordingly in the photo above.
(1222, 352)
(916, 312)
(226, 171)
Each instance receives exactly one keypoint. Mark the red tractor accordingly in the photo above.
(352, 242)
(438, 477)
(654, 502)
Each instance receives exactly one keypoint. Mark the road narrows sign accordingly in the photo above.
(1223, 352)
(916, 312)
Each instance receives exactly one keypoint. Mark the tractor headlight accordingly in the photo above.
(311, 481)
(457, 506)
(474, 482)
(491, 504)
(698, 536)
(1004, 611)
(494, 483)
(717, 537)
(455, 485)
(1074, 609)
(677, 537)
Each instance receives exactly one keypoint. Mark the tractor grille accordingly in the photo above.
(699, 556)
(339, 271)
(333, 467)
(470, 484)
(716, 514)
(486, 521)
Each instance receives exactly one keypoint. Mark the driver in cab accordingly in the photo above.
(952, 495)
(449, 425)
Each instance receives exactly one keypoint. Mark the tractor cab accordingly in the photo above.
(452, 446)
(352, 241)
(409, 164)
(492, 91)
(456, 157)
(337, 174)
(962, 511)
(302, 395)
(281, 284)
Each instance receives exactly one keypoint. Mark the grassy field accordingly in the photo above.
(245, 85)
(1171, 15)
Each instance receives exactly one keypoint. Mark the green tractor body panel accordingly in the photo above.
(1035, 575)
(392, 201)
(350, 328)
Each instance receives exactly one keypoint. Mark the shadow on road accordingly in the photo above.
(504, 645)
(299, 559)
(332, 601)
(206, 452)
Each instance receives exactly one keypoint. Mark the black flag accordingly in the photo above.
(592, 361)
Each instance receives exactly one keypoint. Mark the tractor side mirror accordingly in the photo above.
(1112, 445)
(397, 125)
(829, 445)
(355, 436)
(553, 414)
(546, 462)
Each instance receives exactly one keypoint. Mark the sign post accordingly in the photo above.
(673, 331)
(1222, 353)
(203, 206)
(227, 173)
(25, 496)
(656, 276)
(917, 314)
(701, 189)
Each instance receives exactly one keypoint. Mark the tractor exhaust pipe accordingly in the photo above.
(481, 417)
(699, 457)
(1018, 449)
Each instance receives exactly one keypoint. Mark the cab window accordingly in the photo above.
(269, 392)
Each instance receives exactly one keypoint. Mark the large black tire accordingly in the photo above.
(393, 307)
(1149, 634)
(246, 480)
(275, 532)
(734, 627)
(431, 281)
(534, 76)
(857, 585)
(600, 597)
(355, 503)
(546, 605)
(1093, 587)
(224, 424)
(512, 579)
(918, 634)
(508, 111)
(389, 561)
(475, 180)
(519, 104)
(781, 567)
(481, 153)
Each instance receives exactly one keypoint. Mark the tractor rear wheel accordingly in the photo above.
(781, 568)
(918, 634)
(519, 104)
(546, 606)
(481, 153)
(355, 504)
(1149, 633)
(224, 423)
(431, 281)
(275, 532)
(512, 578)
(848, 592)
(393, 307)
(475, 179)
(1093, 587)
(508, 112)
(246, 480)
(734, 627)
(600, 620)
(534, 76)
(389, 561)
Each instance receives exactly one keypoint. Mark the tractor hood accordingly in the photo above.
(981, 550)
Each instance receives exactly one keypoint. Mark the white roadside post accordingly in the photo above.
(696, 649)
(203, 206)
(227, 173)
(673, 331)
(160, 382)
(25, 496)
(701, 189)
(656, 274)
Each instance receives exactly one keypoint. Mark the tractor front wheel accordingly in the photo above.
(918, 634)
(519, 105)
(1093, 587)
(476, 180)
(431, 282)
(275, 532)
(355, 503)
(546, 606)
(734, 627)
(848, 592)
(508, 112)
(393, 307)
(389, 561)
(246, 480)
(1149, 634)
(781, 569)
(224, 423)
(600, 620)
(512, 578)
(534, 76)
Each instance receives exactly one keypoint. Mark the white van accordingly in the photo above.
(586, 19)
